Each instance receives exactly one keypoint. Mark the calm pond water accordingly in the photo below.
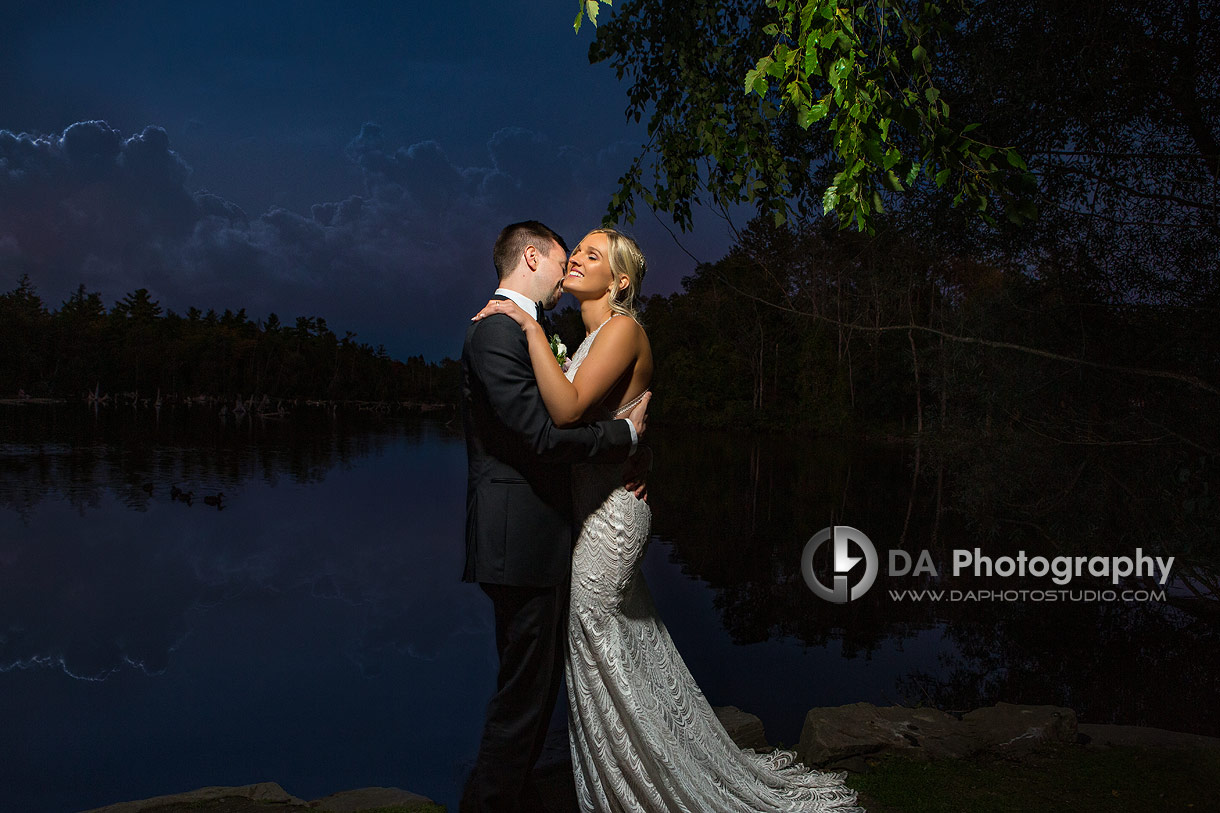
(313, 630)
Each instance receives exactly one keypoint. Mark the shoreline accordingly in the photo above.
(897, 758)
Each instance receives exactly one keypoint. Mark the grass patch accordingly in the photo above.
(1053, 778)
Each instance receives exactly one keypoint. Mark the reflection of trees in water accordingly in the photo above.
(739, 514)
(1076, 495)
(1147, 664)
(73, 451)
(118, 589)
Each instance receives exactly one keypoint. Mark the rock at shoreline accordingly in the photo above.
(262, 795)
(261, 792)
(844, 737)
(743, 728)
(841, 736)
(1105, 736)
(353, 801)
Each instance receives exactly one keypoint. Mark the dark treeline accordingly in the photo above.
(136, 347)
(815, 328)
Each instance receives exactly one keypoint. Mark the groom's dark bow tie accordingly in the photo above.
(543, 319)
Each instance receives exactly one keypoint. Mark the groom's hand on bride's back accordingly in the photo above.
(635, 473)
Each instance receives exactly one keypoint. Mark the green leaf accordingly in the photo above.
(942, 176)
(920, 55)
(591, 9)
(969, 127)
(873, 150)
(1014, 159)
(807, 11)
(830, 199)
(931, 94)
(755, 83)
(811, 61)
(805, 119)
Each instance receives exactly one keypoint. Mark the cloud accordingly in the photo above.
(401, 263)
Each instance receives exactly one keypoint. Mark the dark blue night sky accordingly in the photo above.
(267, 189)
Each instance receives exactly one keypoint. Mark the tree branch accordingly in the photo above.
(1189, 380)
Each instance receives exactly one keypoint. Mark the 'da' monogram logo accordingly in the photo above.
(842, 563)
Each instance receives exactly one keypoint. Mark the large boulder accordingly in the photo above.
(1010, 728)
(743, 728)
(260, 792)
(353, 801)
(839, 736)
(1098, 735)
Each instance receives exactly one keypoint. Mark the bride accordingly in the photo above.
(643, 737)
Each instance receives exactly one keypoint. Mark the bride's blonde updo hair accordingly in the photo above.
(625, 259)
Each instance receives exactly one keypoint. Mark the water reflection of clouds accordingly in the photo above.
(93, 595)
(98, 591)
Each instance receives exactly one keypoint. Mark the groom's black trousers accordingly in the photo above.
(531, 628)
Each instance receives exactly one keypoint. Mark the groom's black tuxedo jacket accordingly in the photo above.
(518, 492)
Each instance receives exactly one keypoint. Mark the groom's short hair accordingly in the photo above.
(515, 237)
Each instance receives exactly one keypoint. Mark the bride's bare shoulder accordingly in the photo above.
(622, 329)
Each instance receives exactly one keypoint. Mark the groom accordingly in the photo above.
(519, 515)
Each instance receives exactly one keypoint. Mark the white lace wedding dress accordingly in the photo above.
(643, 737)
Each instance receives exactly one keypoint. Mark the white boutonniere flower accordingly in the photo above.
(560, 350)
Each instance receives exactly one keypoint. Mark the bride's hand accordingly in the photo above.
(507, 307)
(639, 415)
